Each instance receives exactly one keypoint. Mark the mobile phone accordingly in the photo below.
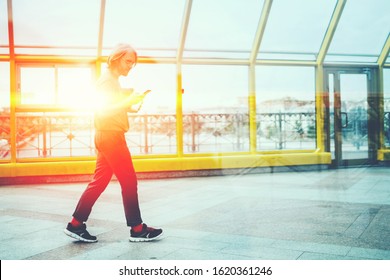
(146, 92)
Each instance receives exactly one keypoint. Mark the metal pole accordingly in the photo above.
(13, 83)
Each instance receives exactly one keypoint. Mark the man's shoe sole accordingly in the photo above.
(78, 237)
(141, 239)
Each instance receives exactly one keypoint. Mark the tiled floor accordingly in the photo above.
(322, 215)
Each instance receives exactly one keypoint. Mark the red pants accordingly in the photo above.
(113, 158)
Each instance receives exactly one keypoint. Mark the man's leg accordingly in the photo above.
(119, 158)
(101, 178)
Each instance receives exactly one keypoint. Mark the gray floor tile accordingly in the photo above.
(321, 215)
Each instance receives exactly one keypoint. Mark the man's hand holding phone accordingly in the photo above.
(146, 92)
(137, 100)
(138, 97)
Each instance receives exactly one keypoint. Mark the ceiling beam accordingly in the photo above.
(260, 30)
(184, 29)
(10, 29)
(384, 53)
(101, 28)
(330, 31)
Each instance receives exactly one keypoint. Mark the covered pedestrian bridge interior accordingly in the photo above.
(238, 88)
(251, 86)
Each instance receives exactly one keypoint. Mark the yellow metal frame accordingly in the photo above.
(383, 152)
(185, 163)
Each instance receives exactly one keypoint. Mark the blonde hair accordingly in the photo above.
(120, 50)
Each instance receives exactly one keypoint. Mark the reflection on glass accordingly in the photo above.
(285, 107)
(353, 92)
(331, 116)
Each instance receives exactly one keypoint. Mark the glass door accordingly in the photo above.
(348, 117)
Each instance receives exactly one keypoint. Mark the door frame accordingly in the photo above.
(373, 115)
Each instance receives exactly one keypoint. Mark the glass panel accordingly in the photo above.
(153, 128)
(350, 59)
(66, 86)
(386, 93)
(232, 54)
(285, 107)
(71, 134)
(222, 25)
(215, 108)
(4, 111)
(44, 50)
(332, 135)
(353, 92)
(160, 78)
(75, 87)
(45, 134)
(4, 86)
(295, 26)
(363, 29)
(56, 23)
(147, 24)
(3, 28)
(42, 135)
(37, 86)
(286, 55)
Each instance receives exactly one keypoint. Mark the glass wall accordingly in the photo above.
(3, 28)
(232, 30)
(386, 95)
(293, 32)
(38, 86)
(153, 128)
(4, 87)
(285, 107)
(68, 134)
(4, 111)
(151, 26)
(55, 132)
(215, 108)
(161, 80)
(68, 29)
(56, 85)
(354, 40)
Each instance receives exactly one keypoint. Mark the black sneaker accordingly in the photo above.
(80, 233)
(147, 234)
